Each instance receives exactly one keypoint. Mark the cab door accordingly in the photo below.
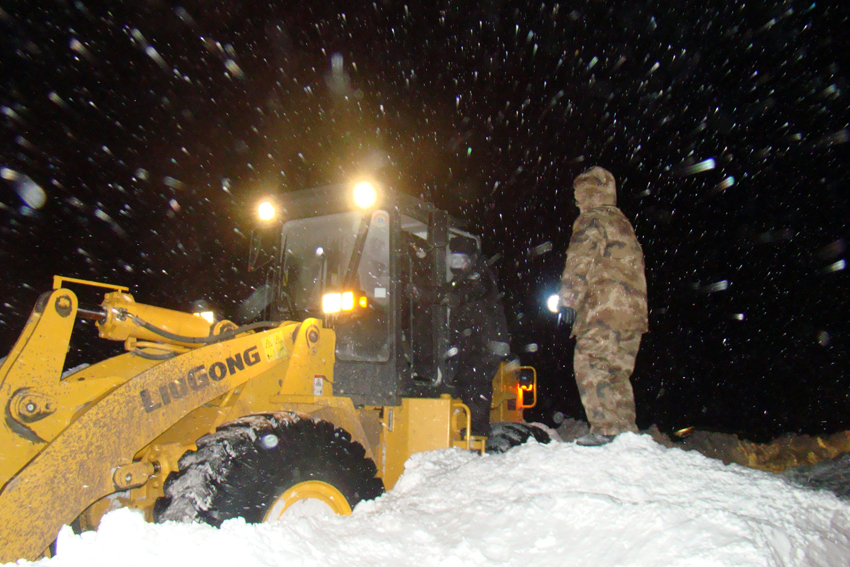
(365, 352)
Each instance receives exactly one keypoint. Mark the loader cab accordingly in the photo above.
(371, 275)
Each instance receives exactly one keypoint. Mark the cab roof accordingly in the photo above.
(336, 198)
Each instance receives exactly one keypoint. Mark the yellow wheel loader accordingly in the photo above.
(312, 409)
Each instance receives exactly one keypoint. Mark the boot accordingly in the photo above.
(594, 440)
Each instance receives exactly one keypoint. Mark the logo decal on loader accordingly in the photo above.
(198, 378)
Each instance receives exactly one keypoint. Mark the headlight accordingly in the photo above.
(332, 303)
(345, 301)
(208, 315)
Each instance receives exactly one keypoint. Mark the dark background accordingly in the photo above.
(151, 128)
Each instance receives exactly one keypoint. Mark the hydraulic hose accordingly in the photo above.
(148, 356)
(227, 335)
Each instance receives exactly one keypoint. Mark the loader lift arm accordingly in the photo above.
(93, 455)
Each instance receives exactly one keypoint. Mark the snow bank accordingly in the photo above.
(631, 503)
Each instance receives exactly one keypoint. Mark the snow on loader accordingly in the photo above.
(317, 407)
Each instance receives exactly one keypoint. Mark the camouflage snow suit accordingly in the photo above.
(604, 281)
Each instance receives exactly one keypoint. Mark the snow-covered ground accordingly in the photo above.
(632, 503)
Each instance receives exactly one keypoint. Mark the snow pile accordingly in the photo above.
(631, 503)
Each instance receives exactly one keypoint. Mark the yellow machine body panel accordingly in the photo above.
(423, 424)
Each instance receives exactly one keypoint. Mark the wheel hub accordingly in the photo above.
(309, 498)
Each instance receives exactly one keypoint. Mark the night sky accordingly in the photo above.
(134, 142)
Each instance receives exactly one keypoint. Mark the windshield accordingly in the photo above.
(319, 254)
(318, 251)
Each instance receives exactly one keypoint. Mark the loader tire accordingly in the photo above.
(507, 435)
(259, 466)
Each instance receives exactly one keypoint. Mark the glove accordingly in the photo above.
(567, 316)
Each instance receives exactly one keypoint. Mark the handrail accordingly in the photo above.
(58, 281)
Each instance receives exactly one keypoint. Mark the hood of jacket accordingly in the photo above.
(595, 188)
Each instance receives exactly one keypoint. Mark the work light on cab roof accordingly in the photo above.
(266, 211)
(365, 195)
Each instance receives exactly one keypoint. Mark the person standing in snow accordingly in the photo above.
(603, 289)
(478, 326)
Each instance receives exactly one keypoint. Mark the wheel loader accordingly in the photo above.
(313, 408)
